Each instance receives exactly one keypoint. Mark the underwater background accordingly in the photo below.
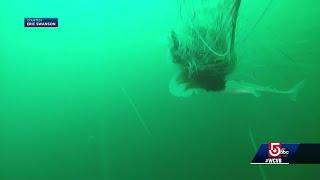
(90, 101)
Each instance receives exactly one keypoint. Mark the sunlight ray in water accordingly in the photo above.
(253, 142)
(263, 14)
(145, 126)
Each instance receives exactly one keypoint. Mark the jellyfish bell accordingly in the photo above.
(202, 46)
(206, 78)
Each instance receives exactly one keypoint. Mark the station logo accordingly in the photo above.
(276, 152)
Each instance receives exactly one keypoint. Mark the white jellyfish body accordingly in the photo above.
(202, 45)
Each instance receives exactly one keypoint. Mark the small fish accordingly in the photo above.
(238, 87)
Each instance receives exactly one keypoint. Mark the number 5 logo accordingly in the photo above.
(274, 149)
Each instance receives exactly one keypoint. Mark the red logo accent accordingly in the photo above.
(274, 149)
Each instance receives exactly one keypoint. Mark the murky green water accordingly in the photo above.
(90, 100)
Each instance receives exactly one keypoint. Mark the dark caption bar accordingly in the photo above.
(41, 22)
(278, 153)
(307, 154)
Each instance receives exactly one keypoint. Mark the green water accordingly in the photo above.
(90, 101)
